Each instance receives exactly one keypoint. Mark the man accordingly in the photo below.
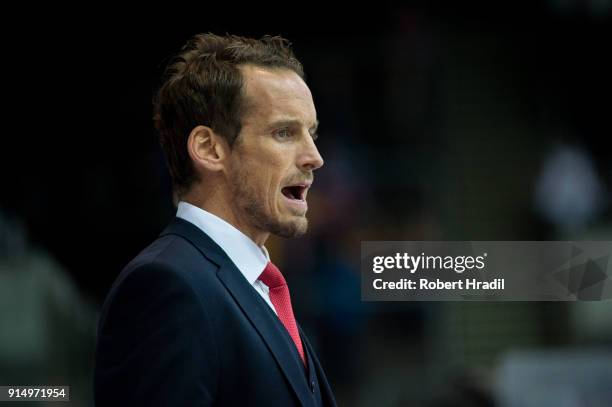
(202, 317)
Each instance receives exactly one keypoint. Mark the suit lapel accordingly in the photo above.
(249, 303)
(263, 321)
(326, 393)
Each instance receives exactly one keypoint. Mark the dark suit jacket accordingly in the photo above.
(181, 326)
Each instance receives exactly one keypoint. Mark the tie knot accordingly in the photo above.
(272, 276)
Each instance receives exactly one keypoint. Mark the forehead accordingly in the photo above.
(276, 94)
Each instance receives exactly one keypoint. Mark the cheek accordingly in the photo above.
(265, 171)
(271, 188)
(263, 182)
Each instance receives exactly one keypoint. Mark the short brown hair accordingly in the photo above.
(202, 85)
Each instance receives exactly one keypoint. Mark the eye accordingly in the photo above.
(283, 134)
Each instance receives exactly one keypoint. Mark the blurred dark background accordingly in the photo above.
(439, 121)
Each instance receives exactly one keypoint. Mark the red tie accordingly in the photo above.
(279, 295)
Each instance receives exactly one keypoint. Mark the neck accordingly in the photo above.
(215, 201)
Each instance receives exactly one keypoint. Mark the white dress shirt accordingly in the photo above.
(249, 258)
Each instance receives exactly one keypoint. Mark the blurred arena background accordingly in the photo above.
(439, 121)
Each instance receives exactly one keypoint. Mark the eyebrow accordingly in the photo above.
(291, 122)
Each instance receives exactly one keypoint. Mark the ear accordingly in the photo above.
(207, 149)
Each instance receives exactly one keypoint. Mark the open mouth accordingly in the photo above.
(295, 192)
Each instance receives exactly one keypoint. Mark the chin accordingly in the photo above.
(293, 228)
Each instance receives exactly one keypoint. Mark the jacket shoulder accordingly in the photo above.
(157, 303)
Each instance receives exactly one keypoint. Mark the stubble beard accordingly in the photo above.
(251, 206)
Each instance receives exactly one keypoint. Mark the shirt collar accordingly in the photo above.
(246, 255)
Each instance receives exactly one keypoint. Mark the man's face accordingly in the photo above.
(272, 161)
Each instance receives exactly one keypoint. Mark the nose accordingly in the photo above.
(309, 157)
